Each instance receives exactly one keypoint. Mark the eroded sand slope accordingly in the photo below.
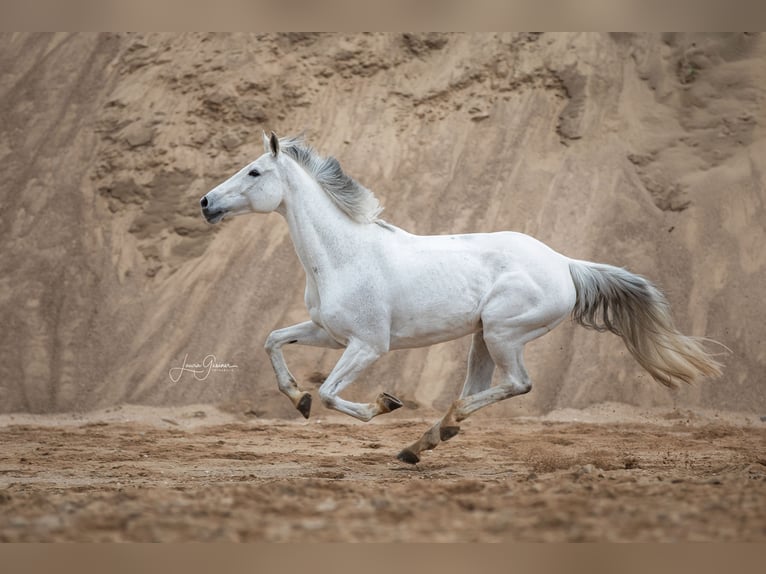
(646, 151)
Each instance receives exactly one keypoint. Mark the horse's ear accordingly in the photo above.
(274, 144)
(265, 141)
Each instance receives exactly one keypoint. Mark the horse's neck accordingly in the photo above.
(324, 237)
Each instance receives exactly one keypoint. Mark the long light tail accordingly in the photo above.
(612, 299)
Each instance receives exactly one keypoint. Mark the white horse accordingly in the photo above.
(372, 288)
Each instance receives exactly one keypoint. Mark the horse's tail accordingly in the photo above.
(612, 299)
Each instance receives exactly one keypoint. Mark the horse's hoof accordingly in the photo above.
(304, 405)
(408, 456)
(388, 402)
(446, 433)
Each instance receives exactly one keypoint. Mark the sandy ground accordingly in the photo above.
(196, 474)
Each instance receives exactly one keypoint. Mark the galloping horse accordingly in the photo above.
(372, 287)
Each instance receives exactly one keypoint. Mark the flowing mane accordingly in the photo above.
(355, 200)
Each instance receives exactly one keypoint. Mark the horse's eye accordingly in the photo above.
(254, 173)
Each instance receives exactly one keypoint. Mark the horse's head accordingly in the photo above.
(256, 187)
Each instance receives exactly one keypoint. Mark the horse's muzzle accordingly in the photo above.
(210, 215)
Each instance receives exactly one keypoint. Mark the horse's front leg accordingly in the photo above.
(308, 333)
(355, 359)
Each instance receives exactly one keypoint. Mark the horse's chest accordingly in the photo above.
(318, 303)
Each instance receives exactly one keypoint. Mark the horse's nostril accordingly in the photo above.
(203, 201)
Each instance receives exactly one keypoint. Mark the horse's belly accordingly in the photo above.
(430, 326)
(423, 338)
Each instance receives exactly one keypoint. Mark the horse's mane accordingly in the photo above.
(355, 200)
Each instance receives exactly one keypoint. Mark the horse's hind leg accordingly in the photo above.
(479, 378)
(505, 341)
(513, 380)
(518, 311)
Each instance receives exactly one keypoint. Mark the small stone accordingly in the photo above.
(137, 135)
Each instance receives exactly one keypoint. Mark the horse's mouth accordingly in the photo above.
(213, 216)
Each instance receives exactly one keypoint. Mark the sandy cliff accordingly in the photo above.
(645, 151)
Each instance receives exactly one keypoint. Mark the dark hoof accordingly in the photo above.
(389, 402)
(304, 405)
(446, 433)
(408, 456)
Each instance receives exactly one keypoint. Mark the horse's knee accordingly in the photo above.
(271, 343)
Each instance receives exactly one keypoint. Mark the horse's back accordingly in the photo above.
(482, 257)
